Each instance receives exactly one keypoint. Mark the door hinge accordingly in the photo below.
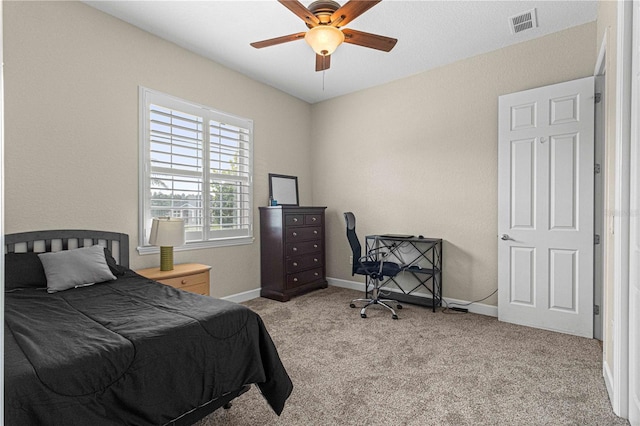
(596, 310)
(596, 239)
(597, 168)
(598, 97)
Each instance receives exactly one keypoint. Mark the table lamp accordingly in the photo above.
(166, 232)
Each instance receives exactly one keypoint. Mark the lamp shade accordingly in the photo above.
(324, 39)
(167, 232)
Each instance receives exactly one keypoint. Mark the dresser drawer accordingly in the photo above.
(293, 219)
(187, 281)
(303, 219)
(302, 234)
(305, 247)
(304, 262)
(304, 277)
(313, 219)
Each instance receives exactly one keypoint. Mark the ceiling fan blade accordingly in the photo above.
(301, 11)
(277, 40)
(350, 11)
(373, 41)
(323, 62)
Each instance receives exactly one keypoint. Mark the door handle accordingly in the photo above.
(505, 237)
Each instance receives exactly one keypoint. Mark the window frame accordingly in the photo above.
(146, 98)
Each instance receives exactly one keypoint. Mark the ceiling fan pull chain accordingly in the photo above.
(324, 70)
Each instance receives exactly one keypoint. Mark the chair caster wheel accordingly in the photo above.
(363, 315)
(394, 316)
(352, 305)
(399, 306)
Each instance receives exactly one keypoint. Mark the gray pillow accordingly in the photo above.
(75, 268)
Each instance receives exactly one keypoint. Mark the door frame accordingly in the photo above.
(634, 257)
(617, 375)
(598, 199)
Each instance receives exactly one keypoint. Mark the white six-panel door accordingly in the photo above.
(545, 207)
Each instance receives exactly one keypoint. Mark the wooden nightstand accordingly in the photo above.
(192, 277)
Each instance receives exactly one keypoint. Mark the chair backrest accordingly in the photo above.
(356, 248)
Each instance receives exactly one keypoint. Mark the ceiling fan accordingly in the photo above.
(324, 19)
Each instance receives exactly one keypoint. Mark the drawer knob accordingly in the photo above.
(295, 219)
(295, 234)
(183, 281)
(316, 274)
(295, 249)
(315, 259)
(314, 219)
(315, 246)
(315, 232)
(295, 263)
(295, 280)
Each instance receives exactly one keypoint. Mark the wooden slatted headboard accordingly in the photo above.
(55, 240)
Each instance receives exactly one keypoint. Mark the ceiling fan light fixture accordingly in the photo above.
(324, 39)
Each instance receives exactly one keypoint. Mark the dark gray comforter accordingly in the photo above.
(130, 351)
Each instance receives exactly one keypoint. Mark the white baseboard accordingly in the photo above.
(476, 308)
(352, 285)
(244, 296)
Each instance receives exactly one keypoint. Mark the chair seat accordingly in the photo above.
(389, 269)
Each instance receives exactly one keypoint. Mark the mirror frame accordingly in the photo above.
(283, 189)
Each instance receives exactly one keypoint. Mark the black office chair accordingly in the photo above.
(368, 265)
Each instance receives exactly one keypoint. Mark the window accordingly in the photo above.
(196, 164)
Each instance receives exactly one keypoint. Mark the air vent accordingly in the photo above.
(523, 21)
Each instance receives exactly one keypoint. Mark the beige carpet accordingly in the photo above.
(426, 368)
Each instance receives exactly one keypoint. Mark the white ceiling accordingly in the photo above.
(430, 34)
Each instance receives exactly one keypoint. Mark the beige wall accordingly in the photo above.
(71, 146)
(419, 155)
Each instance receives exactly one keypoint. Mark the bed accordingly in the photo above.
(128, 350)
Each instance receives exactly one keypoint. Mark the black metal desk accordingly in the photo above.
(421, 261)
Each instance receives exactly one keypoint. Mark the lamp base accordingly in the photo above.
(166, 258)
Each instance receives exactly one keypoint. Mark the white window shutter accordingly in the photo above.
(200, 174)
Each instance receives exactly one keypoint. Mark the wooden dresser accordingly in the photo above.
(192, 277)
(292, 251)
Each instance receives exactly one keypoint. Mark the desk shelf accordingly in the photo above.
(422, 268)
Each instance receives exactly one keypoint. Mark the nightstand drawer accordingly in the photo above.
(192, 277)
(202, 288)
(188, 280)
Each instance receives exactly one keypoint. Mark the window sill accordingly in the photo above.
(198, 245)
